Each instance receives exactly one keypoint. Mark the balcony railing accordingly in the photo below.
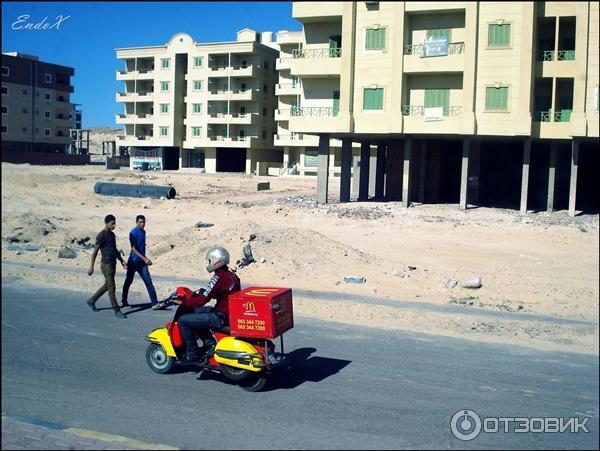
(454, 48)
(290, 136)
(560, 55)
(550, 116)
(317, 53)
(418, 110)
(313, 112)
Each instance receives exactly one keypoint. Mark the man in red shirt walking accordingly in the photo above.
(221, 285)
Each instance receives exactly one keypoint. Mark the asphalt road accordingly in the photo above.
(349, 387)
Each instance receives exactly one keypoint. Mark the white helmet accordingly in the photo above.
(216, 257)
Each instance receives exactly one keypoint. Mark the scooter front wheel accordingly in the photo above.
(158, 360)
(254, 383)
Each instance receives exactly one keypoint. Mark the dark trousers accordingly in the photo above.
(108, 269)
(203, 319)
(142, 269)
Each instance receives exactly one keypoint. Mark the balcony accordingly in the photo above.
(248, 70)
(317, 11)
(284, 63)
(282, 114)
(417, 121)
(316, 62)
(248, 94)
(549, 116)
(126, 97)
(296, 139)
(434, 6)
(245, 142)
(556, 64)
(290, 89)
(235, 118)
(417, 60)
(313, 119)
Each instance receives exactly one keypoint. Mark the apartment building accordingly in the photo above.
(473, 103)
(37, 112)
(193, 105)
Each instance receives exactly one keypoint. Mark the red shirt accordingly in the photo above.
(221, 285)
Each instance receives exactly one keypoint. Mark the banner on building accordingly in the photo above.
(434, 114)
(437, 46)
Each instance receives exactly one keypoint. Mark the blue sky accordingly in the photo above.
(88, 38)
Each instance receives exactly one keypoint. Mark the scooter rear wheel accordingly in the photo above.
(158, 360)
(254, 383)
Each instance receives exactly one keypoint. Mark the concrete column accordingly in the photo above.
(551, 176)
(525, 177)
(380, 171)
(464, 174)
(363, 184)
(408, 147)
(574, 165)
(474, 169)
(323, 169)
(286, 160)
(372, 172)
(345, 173)
(422, 170)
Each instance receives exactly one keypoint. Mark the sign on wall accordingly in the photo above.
(434, 114)
(434, 46)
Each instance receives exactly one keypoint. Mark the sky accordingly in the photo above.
(86, 34)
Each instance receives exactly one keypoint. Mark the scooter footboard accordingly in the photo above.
(238, 353)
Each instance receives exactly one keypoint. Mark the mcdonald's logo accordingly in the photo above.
(249, 306)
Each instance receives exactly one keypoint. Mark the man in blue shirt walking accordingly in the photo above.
(138, 262)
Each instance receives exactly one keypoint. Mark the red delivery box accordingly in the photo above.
(260, 312)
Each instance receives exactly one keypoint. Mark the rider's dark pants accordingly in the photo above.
(203, 319)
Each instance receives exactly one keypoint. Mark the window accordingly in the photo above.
(164, 86)
(264, 111)
(375, 39)
(48, 78)
(336, 103)
(196, 131)
(373, 99)
(164, 131)
(437, 98)
(4, 109)
(24, 110)
(164, 108)
(499, 35)
(4, 90)
(496, 98)
(197, 85)
(264, 88)
(264, 134)
(24, 129)
(4, 129)
(47, 132)
(25, 92)
(164, 63)
(198, 61)
(5, 71)
(48, 97)
(47, 114)
(197, 108)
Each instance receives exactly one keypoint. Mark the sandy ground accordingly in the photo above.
(542, 264)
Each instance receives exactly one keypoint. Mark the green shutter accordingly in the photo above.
(436, 98)
(496, 98)
(373, 99)
(498, 35)
(375, 39)
(336, 103)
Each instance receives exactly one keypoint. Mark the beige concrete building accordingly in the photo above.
(37, 112)
(208, 106)
(473, 103)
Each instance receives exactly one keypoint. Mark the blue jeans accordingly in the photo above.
(203, 319)
(142, 269)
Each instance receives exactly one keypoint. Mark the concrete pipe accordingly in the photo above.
(124, 190)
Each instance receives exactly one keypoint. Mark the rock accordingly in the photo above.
(261, 186)
(246, 205)
(412, 268)
(252, 237)
(354, 279)
(203, 225)
(66, 252)
(248, 253)
(82, 241)
(262, 260)
(450, 283)
(472, 283)
(162, 248)
(397, 273)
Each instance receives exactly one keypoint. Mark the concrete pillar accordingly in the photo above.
(551, 176)
(408, 147)
(323, 169)
(286, 160)
(372, 172)
(363, 184)
(464, 174)
(345, 173)
(380, 171)
(355, 173)
(525, 177)
(574, 165)
(474, 169)
(393, 171)
(422, 170)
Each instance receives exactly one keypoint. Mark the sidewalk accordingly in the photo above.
(22, 433)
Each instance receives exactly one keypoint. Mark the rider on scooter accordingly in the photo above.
(223, 282)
